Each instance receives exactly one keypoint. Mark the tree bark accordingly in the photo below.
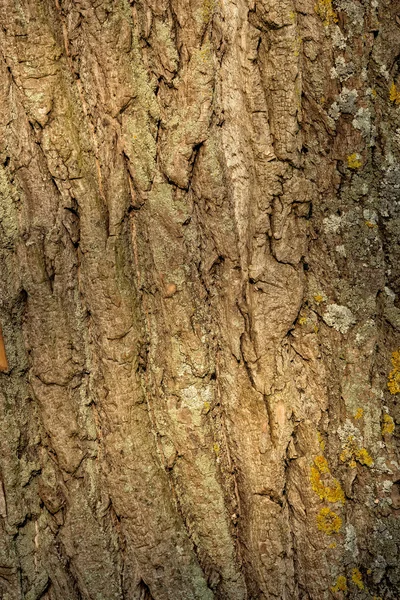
(199, 219)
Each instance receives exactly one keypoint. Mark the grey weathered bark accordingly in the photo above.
(199, 217)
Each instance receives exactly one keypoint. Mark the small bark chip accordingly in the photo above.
(170, 290)
(3, 357)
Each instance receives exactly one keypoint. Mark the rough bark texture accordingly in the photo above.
(199, 221)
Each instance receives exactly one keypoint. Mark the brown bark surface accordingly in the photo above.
(199, 296)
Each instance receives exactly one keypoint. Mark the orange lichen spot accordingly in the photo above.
(318, 298)
(354, 161)
(321, 441)
(328, 521)
(359, 413)
(394, 375)
(387, 425)
(370, 224)
(394, 94)
(340, 585)
(356, 578)
(324, 10)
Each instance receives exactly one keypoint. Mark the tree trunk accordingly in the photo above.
(199, 219)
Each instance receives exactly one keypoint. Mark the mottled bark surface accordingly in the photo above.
(199, 284)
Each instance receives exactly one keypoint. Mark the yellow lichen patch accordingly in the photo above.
(356, 578)
(321, 441)
(370, 224)
(316, 483)
(354, 161)
(335, 493)
(359, 413)
(340, 585)
(328, 521)
(373, 93)
(394, 94)
(302, 321)
(319, 298)
(297, 42)
(352, 452)
(324, 10)
(331, 493)
(203, 56)
(208, 10)
(364, 458)
(347, 451)
(332, 546)
(206, 407)
(387, 425)
(216, 449)
(394, 375)
(322, 464)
